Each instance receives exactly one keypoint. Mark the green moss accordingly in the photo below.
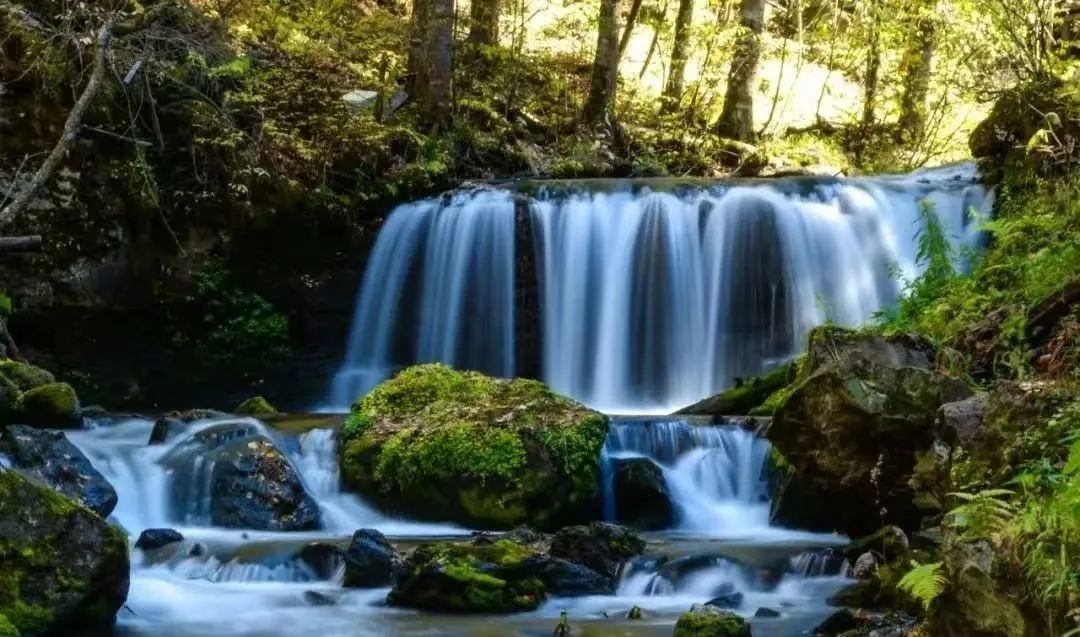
(463, 446)
(748, 396)
(24, 375)
(7, 629)
(51, 405)
(707, 621)
(255, 406)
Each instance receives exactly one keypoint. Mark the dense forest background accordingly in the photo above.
(206, 174)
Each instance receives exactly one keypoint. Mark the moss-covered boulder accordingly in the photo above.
(255, 406)
(709, 621)
(64, 570)
(468, 578)
(601, 546)
(747, 397)
(439, 444)
(24, 375)
(861, 410)
(49, 405)
(977, 601)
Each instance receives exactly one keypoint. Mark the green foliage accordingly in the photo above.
(5, 305)
(924, 582)
(982, 513)
(230, 331)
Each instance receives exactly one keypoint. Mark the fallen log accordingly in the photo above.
(31, 243)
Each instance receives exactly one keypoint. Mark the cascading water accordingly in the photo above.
(648, 298)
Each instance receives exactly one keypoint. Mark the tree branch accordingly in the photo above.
(71, 129)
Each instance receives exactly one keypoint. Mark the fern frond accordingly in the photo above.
(924, 582)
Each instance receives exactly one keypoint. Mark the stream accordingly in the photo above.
(236, 583)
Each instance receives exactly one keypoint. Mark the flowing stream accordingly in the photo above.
(237, 583)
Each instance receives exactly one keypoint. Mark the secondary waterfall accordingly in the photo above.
(639, 297)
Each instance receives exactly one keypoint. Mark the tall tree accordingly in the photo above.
(680, 53)
(431, 59)
(915, 67)
(605, 71)
(484, 23)
(872, 78)
(737, 118)
(628, 29)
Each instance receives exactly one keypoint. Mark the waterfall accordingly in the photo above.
(640, 297)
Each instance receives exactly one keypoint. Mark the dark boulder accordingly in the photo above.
(725, 596)
(463, 578)
(600, 546)
(860, 412)
(766, 613)
(52, 458)
(254, 486)
(322, 558)
(566, 579)
(247, 481)
(165, 428)
(641, 494)
(315, 598)
(370, 560)
(839, 622)
(65, 571)
(153, 539)
(709, 621)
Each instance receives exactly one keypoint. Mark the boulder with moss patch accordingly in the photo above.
(862, 408)
(978, 600)
(256, 406)
(49, 405)
(24, 375)
(65, 571)
(440, 444)
(747, 397)
(710, 621)
(468, 578)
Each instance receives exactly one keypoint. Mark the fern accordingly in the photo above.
(983, 513)
(924, 582)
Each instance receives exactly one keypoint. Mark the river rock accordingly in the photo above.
(839, 622)
(256, 487)
(767, 613)
(600, 546)
(566, 579)
(370, 560)
(726, 596)
(192, 415)
(641, 494)
(323, 558)
(52, 458)
(153, 539)
(65, 571)
(463, 578)
(247, 481)
(484, 452)
(709, 621)
(747, 397)
(165, 428)
(861, 409)
(49, 405)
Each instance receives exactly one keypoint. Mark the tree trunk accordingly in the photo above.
(872, 79)
(484, 25)
(680, 52)
(431, 59)
(915, 68)
(631, 20)
(605, 70)
(737, 119)
(24, 196)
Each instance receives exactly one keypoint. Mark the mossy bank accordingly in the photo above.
(440, 444)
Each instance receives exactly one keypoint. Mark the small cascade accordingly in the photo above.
(716, 476)
(821, 564)
(640, 296)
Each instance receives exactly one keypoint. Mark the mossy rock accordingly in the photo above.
(24, 375)
(7, 629)
(255, 406)
(51, 405)
(440, 444)
(468, 578)
(709, 621)
(862, 405)
(65, 570)
(978, 600)
(747, 397)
